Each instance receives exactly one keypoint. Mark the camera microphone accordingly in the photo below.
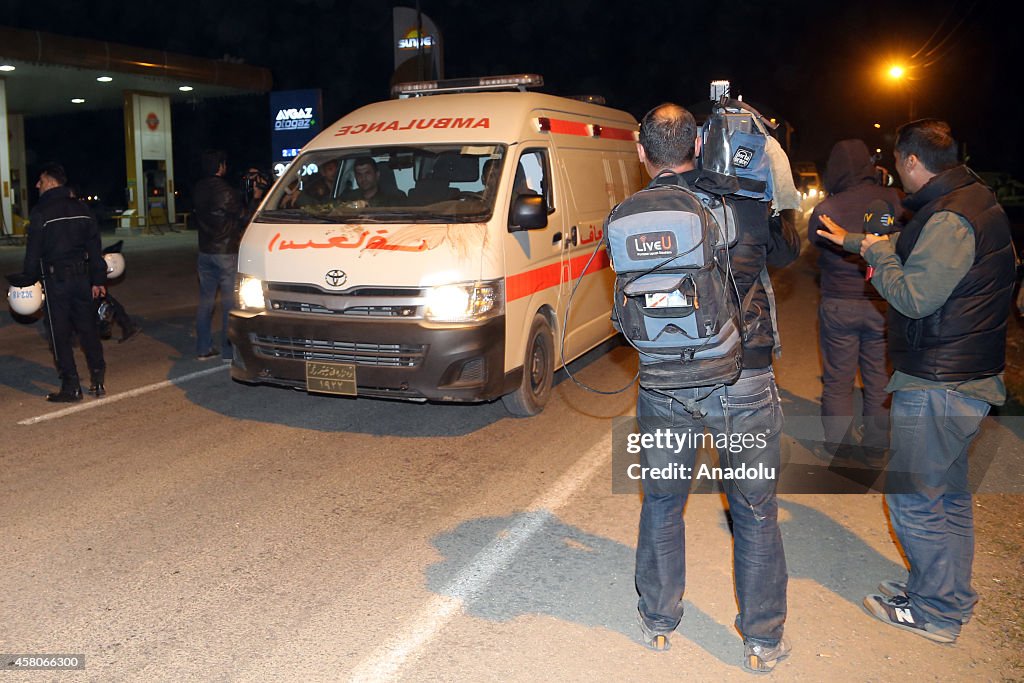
(879, 219)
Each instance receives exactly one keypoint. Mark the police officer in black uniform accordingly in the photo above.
(63, 251)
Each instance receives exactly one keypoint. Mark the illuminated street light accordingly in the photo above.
(899, 74)
(878, 125)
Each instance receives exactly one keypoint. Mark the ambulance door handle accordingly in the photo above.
(556, 238)
(575, 238)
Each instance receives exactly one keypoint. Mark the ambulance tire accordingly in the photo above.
(538, 372)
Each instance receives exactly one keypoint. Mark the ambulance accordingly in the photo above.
(426, 248)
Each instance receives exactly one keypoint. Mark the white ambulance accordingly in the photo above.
(425, 248)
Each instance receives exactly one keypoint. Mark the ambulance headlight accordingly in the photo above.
(250, 293)
(468, 302)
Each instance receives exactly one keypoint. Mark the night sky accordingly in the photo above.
(816, 65)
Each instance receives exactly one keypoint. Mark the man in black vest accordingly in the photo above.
(949, 281)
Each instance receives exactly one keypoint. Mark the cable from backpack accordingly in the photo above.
(565, 324)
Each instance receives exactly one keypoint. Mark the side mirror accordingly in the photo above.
(529, 212)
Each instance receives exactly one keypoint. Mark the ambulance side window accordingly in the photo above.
(532, 176)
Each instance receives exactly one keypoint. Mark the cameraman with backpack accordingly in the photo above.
(749, 405)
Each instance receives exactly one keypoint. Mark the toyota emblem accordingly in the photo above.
(335, 278)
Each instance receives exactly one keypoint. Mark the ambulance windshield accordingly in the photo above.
(429, 184)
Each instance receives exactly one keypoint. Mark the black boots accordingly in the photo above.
(70, 391)
(96, 387)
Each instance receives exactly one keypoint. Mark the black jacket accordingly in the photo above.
(62, 232)
(219, 213)
(966, 338)
(851, 182)
(762, 241)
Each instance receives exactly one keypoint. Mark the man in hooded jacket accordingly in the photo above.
(851, 315)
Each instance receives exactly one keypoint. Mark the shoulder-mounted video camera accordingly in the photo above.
(256, 180)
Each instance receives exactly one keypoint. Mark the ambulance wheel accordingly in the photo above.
(538, 372)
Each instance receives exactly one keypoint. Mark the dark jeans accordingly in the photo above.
(216, 271)
(931, 508)
(750, 406)
(71, 309)
(852, 335)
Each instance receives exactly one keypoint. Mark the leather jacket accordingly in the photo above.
(219, 213)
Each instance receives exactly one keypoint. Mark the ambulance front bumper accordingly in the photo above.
(402, 359)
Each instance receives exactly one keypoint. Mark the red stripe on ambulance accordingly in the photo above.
(546, 124)
(536, 280)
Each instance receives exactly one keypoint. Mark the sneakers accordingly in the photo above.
(897, 611)
(761, 659)
(209, 355)
(892, 588)
(655, 640)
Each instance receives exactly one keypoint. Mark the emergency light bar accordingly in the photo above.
(419, 88)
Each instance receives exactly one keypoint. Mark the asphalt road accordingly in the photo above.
(192, 528)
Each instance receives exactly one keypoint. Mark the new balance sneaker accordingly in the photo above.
(655, 640)
(892, 588)
(761, 659)
(897, 611)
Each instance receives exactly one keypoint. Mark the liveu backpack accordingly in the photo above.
(676, 301)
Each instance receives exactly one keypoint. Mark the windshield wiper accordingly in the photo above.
(450, 217)
(291, 216)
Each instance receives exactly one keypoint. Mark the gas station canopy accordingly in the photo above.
(47, 74)
(43, 74)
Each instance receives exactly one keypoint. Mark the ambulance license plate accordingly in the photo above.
(331, 378)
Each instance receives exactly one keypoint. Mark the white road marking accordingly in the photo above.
(87, 405)
(387, 662)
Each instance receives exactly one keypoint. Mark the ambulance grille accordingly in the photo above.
(356, 353)
(364, 302)
(408, 312)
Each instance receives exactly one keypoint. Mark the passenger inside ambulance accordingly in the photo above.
(375, 185)
(490, 174)
(319, 187)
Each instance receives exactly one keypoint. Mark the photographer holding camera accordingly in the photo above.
(255, 184)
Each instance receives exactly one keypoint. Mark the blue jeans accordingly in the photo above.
(750, 406)
(930, 501)
(216, 271)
